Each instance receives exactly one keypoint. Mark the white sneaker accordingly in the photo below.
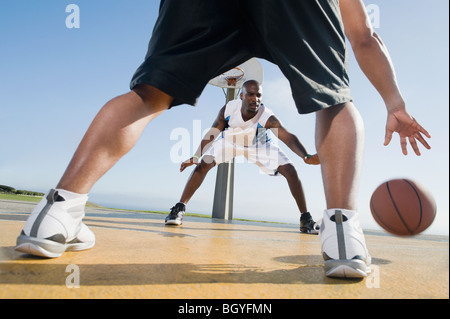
(56, 226)
(343, 245)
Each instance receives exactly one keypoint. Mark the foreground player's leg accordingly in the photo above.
(177, 212)
(307, 224)
(112, 134)
(55, 225)
(340, 143)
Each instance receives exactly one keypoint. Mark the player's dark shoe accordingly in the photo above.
(176, 214)
(308, 225)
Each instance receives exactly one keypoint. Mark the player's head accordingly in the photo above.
(251, 95)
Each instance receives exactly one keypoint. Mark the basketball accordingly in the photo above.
(403, 207)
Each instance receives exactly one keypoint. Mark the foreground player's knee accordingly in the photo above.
(153, 98)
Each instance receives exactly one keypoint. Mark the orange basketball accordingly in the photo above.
(403, 207)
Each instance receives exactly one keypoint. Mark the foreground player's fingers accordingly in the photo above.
(388, 137)
(420, 138)
(423, 130)
(404, 145)
(414, 145)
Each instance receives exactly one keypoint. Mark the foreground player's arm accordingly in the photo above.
(291, 141)
(374, 60)
(217, 127)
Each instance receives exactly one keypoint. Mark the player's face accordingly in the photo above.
(251, 97)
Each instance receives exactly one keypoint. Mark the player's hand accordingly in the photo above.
(189, 162)
(312, 159)
(406, 126)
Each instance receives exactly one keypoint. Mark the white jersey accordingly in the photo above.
(248, 139)
(245, 133)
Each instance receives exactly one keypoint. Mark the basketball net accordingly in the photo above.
(233, 76)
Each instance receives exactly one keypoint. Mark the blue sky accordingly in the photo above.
(53, 81)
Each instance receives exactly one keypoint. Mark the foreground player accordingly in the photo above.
(243, 124)
(306, 40)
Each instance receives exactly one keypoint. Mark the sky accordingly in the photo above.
(55, 76)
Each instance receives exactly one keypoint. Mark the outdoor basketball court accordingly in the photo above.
(137, 256)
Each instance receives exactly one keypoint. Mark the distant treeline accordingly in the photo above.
(12, 190)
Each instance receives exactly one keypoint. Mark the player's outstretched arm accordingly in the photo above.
(291, 141)
(374, 60)
(217, 127)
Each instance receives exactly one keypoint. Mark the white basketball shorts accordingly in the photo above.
(267, 156)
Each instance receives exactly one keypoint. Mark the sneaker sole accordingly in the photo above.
(47, 248)
(310, 232)
(80, 246)
(173, 222)
(346, 268)
(39, 247)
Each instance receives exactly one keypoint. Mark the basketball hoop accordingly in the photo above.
(233, 76)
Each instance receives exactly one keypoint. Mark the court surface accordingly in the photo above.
(137, 256)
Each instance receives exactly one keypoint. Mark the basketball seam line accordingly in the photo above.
(420, 203)
(396, 209)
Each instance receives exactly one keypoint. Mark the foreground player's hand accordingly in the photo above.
(407, 127)
(312, 159)
(189, 162)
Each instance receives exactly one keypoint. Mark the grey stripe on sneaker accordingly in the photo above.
(52, 195)
(339, 219)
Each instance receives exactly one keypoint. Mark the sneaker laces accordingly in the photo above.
(176, 210)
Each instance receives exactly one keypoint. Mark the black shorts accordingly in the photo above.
(195, 40)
